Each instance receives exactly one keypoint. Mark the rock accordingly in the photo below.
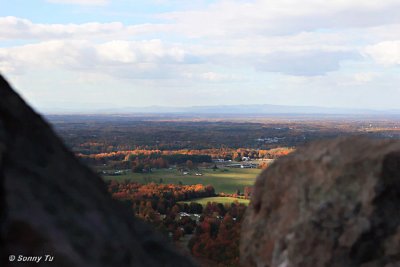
(50, 204)
(333, 203)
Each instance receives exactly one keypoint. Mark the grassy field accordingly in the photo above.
(224, 180)
(223, 200)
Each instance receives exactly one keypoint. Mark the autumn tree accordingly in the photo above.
(189, 164)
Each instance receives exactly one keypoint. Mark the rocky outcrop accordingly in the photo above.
(50, 204)
(333, 203)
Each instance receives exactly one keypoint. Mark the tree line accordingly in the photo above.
(214, 228)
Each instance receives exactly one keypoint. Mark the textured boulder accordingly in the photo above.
(50, 204)
(333, 203)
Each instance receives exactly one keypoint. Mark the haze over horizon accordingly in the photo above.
(82, 55)
(222, 110)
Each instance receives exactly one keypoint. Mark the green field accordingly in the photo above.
(223, 200)
(224, 180)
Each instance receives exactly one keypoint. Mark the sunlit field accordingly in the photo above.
(227, 180)
(223, 200)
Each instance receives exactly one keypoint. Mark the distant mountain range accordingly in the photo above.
(233, 109)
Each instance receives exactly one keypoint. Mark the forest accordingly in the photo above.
(211, 231)
(104, 134)
(191, 178)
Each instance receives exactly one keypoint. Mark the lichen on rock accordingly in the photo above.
(332, 203)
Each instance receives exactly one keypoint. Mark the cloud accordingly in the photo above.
(385, 53)
(242, 18)
(12, 28)
(212, 76)
(302, 38)
(304, 63)
(365, 77)
(224, 19)
(81, 2)
(121, 57)
(17, 28)
(118, 58)
(143, 51)
(290, 52)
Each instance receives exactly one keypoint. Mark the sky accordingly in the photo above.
(81, 55)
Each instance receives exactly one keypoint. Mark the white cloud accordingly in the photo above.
(17, 28)
(109, 57)
(12, 28)
(365, 77)
(144, 51)
(304, 63)
(226, 19)
(80, 2)
(239, 18)
(212, 76)
(150, 55)
(385, 53)
(290, 51)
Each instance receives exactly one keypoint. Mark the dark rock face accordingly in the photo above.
(51, 204)
(334, 203)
